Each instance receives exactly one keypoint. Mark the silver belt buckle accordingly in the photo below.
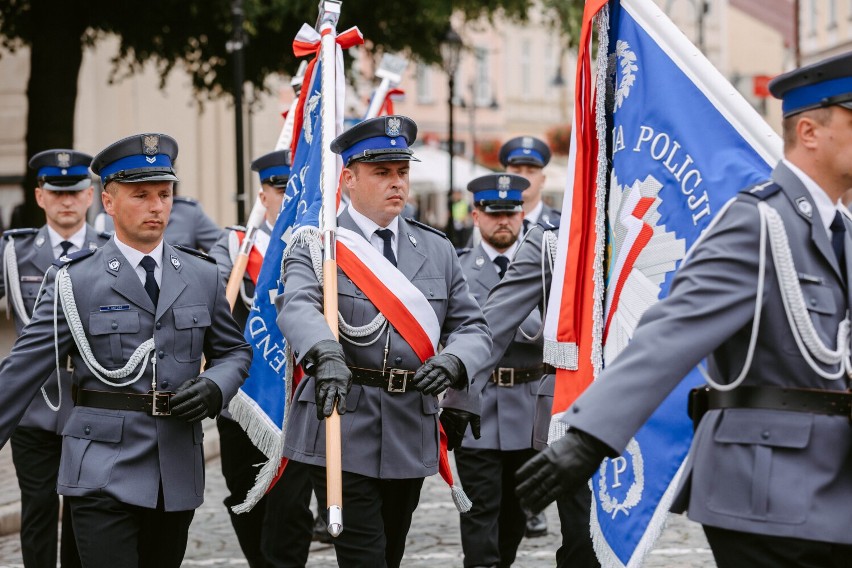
(161, 403)
(505, 377)
(397, 380)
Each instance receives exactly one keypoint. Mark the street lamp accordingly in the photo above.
(451, 54)
(235, 48)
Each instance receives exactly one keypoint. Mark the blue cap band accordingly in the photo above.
(374, 143)
(810, 96)
(52, 171)
(525, 152)
(267, 173)
(498, 195)
(135, 162)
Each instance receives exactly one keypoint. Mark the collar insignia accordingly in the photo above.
(480, 261)
(412, 239)
(805, 207)
(114, 264)
(175, 261)
(39, 241)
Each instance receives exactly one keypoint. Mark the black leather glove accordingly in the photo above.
(455, 423)
(327, 365)
(438, 373)
(195, 399)
(561, 468)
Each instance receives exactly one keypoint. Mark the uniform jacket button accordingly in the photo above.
(161, 354)
(115, 325)
(164, 384)
(397, 361)
(159, 325)
(194, 319)
(765, 434)
(87, 429)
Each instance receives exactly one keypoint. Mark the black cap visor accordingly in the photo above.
(142, 174)
(65, 183)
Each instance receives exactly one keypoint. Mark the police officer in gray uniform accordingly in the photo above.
(492, 530)
(188, 226)
(523, 288)
(135, 316)
(277, 532)
(389, 427)
(527, 156)
(768, 473)
(65, 193)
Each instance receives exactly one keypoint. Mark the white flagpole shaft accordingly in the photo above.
(378, 99)
(330, 13)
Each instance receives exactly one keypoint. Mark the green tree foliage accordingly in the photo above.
(193, 34)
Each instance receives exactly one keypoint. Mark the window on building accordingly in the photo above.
(424, 84)
(812, 17)
(832, 14)
(482, 82)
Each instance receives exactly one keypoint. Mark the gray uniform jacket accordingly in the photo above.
(35, 255)
(549, 217)
(384, 435)
(507, 413)
(508, 307)
(771, 472)
(126, 454)
(188, 225)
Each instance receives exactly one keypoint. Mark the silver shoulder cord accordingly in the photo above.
(549, 242)
(65, 292)
(15, 301)
(311, 238)
(807, 339)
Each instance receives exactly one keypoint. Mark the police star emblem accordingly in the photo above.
(151, 144)
(805, 207)
(175, 261)
(392, 126)
(412, 239)
(114, 264)
(63, 160)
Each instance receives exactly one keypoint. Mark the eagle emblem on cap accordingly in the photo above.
(527, 142)
(504, 183)
(150, 144)
(63, 160)
(392, 126)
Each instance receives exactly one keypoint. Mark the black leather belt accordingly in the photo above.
(153, 403)
(509, 376)
(813, 401)
(392, 380)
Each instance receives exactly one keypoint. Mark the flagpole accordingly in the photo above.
(258, 211)
(329, 14)
(390, 72)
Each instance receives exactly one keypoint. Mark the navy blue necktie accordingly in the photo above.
(502, 264)
(65, 246)
(149, 264)
(387, 236)
(838, 235)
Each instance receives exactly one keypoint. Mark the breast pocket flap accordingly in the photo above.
(103, 323)
(765, 427)
(188, 317)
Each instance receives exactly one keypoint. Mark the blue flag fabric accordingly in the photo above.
(677, 158)
(261, 404)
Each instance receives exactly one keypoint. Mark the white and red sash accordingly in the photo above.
(256, 254)
(407, 310)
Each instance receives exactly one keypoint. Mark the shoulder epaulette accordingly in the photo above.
(236, 228)
(463, 251)
(427, 227)
(763, 189)
(105, 234)
(19, 233)
(187, 200)
(194, 252)
(549, 224)
(73, 257)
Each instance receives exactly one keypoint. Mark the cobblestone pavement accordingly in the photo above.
(433, 540)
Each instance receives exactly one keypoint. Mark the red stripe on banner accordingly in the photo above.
(576, 318)
(386, 302)
(255, 259)
(642, 239)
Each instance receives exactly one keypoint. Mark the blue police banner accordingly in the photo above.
(260, 405)
(675, 142)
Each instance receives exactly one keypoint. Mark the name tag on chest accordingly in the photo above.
(116, 308)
